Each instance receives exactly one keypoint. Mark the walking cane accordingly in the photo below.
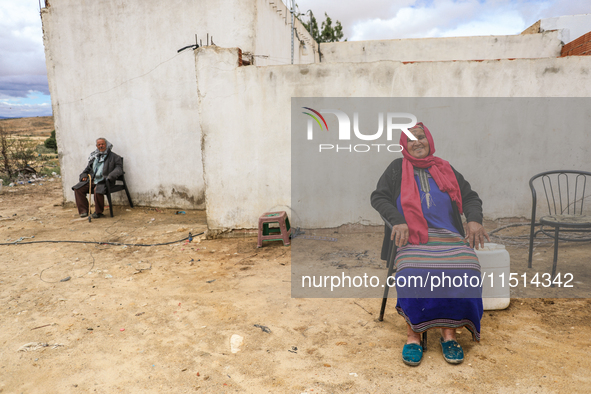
(89, 198)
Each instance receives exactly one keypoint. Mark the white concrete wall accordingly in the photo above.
(114, 71)
(572, 26)
(439, 49)
(247, 162)
(273, 36)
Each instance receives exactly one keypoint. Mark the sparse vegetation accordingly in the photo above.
(41, 149)
(23, 152)
(23, 155)
(49, 169)
(5, 154)
(39, 126)
(51, 143)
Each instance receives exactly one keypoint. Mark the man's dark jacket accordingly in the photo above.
(112, 169)
(383, 199)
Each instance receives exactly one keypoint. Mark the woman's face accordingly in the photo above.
(418, 149)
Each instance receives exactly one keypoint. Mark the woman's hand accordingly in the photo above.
(400, 234)
(475, 234)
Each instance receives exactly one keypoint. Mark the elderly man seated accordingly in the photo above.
(103, 166)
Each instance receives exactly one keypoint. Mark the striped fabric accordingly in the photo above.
(444, 250)
(445, 278)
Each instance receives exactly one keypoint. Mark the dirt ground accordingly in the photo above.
(34, 126)
(159, 319)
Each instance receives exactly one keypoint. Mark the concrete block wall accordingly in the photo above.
(525, 46)
(114, 72)
(246, 174)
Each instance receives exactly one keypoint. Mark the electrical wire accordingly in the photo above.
(68, 278)
(510, 225)
(190, 238)
(122, 83)
(524, 240)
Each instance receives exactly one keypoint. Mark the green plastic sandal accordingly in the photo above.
(412, 354)
(452, 351)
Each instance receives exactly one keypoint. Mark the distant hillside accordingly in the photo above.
(37, 126)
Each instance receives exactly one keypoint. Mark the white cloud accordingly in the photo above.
(21, 38)
(22, 58)
(13, 109)
(349, 12)
(378, 19)
(445, 18)
(481, 28)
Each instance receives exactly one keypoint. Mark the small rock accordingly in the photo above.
(236, 342)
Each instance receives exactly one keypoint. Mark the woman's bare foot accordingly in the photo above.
(411, 336)
(448, 334)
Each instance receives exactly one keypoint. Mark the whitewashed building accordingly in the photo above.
(210, 128)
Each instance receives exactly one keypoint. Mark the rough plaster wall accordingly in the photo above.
(245, 154)
(248, 173)
(114, 71)
(546, 44)
(273, 36)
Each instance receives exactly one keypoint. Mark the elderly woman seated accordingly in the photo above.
(423, 198)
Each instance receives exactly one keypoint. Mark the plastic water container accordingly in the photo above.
(494, 259)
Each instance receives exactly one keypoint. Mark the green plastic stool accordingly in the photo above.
(267, 233)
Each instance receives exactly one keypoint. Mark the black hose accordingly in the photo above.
(190, 238)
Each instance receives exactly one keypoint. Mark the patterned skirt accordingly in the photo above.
(438, 284)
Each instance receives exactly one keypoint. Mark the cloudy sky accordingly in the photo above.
(23, 77)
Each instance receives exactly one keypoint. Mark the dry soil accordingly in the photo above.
(159, 319)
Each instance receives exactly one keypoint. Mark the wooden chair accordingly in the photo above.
(564, 193)
(117, 186)
(390, 263)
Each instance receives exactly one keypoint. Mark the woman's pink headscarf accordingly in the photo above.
(410, 199)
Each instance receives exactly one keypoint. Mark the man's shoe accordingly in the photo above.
(97, 215)
(84, 215)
